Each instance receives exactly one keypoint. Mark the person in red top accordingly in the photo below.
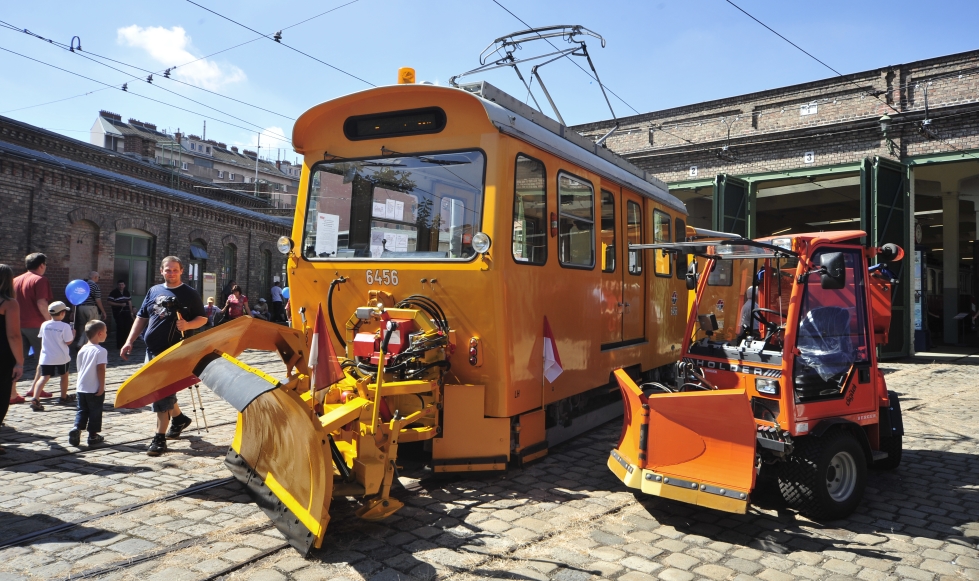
(33, 292)
(236, 305)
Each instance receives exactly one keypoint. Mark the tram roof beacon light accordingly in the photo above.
(284, 244)
(406, 76)
(481, 242)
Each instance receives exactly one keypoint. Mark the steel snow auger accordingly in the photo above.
(293, 449)
(778, 371)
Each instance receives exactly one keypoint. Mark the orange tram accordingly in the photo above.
(510, 224)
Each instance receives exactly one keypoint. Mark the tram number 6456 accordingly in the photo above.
(380, 277)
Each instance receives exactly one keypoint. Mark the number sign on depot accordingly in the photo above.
(382, 277)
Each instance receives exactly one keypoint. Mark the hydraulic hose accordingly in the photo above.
(329, 309)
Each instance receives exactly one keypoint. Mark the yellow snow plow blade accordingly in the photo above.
(173, 370)
(695, 447)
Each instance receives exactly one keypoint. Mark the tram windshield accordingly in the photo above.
(395, 207)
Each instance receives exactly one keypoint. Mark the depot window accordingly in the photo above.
(409, 207)
(529, 211)
(662, 265)
(576, 222)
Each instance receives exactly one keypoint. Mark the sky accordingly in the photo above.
(658, 54)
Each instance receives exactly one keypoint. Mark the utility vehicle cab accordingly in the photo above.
(778, 370)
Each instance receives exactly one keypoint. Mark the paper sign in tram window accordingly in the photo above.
(327, 234)
(380, 210)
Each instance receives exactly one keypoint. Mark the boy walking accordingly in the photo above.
(90, 385)
(56, 335)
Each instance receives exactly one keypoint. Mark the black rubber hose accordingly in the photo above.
(329, 309)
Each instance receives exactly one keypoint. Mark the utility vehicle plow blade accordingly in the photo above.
(173, 370)
(695, 447)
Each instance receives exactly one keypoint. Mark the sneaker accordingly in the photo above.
(36, 406)
(67, 399)
(73, 437)
(157, 446)
(95, 439)
(177, 425)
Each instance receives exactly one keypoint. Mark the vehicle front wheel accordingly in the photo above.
(825, 477)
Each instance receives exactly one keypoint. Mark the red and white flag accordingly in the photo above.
(552, 360)
(322, 358)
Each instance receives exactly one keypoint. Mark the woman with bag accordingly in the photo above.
(236, 305)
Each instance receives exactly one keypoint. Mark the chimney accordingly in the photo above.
(222, 145)
(108, 115)
(234, 148)
(177, 137)
(278, 165)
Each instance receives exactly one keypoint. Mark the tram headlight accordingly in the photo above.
(481, 242)
(766, 386)
(284, 244)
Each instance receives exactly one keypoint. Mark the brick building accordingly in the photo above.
(90, 209)
(892, 151)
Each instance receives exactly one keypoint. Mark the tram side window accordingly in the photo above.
(662, 265)
(681, 258)
(576, 222)
(608, 231)
(529, 211)
(634, 217)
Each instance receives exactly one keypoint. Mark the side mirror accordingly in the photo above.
(890, 252)
(832, 271)
(692, 275)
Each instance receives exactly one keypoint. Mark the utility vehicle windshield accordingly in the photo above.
(395, 207)
(747, 300)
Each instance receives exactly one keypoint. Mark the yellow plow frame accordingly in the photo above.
(293, 450)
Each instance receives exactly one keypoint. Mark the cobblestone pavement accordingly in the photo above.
(114, 513)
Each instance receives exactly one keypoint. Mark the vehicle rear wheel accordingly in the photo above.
(825, 477)
(894, 446)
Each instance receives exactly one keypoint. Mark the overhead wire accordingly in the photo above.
(162, 71)
(65, 47)
(118, 88)
(270, 37)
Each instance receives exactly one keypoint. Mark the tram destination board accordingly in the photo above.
(395, 123)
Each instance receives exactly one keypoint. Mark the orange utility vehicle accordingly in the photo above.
(778, 371)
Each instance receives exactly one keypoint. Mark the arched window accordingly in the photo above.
(229, 266)
(197, 265)
(134, 250)
(264, 274)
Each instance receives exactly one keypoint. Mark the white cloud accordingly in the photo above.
(170, 47)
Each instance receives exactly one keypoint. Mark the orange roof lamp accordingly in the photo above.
(406, 76)
(778, 370)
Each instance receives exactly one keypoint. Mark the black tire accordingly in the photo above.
(825, 477)
(894, 446)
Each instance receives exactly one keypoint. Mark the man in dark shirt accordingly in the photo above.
(121, 302)
(169, 312)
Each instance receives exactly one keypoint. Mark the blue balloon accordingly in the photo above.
(285, 293)
(77, 291)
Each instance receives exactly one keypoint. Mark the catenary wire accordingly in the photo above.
(338, 69)
(128, 91)
(7, 25)
(136, 78)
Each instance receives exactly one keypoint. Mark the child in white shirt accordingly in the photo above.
(56, 336)
(90, 384)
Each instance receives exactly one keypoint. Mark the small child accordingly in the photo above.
(56, 336)
(90, 385)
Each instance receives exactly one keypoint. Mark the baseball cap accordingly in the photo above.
(57, 307)
(261, 300)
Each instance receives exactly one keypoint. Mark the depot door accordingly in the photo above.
(611, 268)
(884, 217)
(731, 205)
(634, 272)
